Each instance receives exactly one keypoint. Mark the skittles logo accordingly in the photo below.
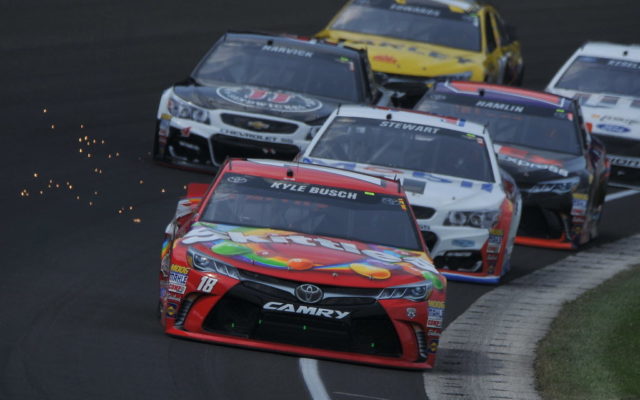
(268, 100)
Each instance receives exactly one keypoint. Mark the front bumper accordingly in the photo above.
(554, 221)
(226, 133)
(467, 254)
(624, 154)
(396, 333)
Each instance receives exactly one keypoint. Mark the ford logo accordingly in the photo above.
(613, 128)
(308, 293)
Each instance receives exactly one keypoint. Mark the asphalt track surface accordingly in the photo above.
(81, 231)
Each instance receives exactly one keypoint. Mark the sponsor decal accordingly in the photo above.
(248, 135)
(258, 125)
(436, 304)
(268, 100)
(494, 243)
(185, 132)
(463, 243)
(176, 288)
(433, 333)
(557, 186)
(629, 162)
(434, 323)
(163, 128)
(613, 128)
(172, 309)
(306, 310)
(178, 278)
(207, 284)
(237, 179)
(414, 186)
(384, 58)
(623, 64)
(580, 202)
(317, 190)
(189, 146)
(433, 345)
(308, 293)
(287, 51)
(492, 256)
(179, 269)
(430, 12)
(204, 234)
(411, 312)
(409, 127)
(500, 106)
(611, 118)
(533, 165)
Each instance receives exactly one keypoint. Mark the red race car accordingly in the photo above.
(302, 259)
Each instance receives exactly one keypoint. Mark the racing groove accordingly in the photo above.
(79, 274)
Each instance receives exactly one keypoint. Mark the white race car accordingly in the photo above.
(605, 78)
(467, 209)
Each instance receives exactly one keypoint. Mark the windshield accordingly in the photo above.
(254, 62)
(312, 209)
(416, 23)
(408, 146)
(602, 75)
(534, 127)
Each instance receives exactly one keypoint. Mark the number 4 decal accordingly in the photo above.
(207, 283)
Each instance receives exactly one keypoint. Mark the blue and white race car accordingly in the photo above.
(605, 79)
(467, 209)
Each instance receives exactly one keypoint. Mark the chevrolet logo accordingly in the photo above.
(258, 125)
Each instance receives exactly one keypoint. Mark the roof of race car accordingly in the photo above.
(314, 174)
(411, 116)
(298, 42)
(611, 50)
(503, 94)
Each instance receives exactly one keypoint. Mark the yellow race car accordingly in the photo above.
(422, 40)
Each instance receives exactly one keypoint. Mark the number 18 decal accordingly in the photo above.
(207, 283)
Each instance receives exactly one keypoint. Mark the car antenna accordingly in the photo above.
(625, 53)
(289, 173)
(481, 92)
(389, 117)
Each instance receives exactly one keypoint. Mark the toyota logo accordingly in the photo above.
(308, 293)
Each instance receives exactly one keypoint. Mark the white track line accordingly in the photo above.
(311, 375)
(619, 195)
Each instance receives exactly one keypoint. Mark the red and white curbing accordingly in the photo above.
(489, 351)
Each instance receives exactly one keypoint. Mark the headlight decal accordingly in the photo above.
(182, 109)
(474, 219)
(203, 262)
(416, 292)
(559, 186)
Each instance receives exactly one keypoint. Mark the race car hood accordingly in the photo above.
(253, 99)
(402, 57)
(428, 189)
(529, 166)
(610, 115)
(309, 258)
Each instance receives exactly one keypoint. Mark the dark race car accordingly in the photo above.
(256, 95)
(302, 259)
(540, 139)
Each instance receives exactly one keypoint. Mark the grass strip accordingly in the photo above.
(593, 348)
